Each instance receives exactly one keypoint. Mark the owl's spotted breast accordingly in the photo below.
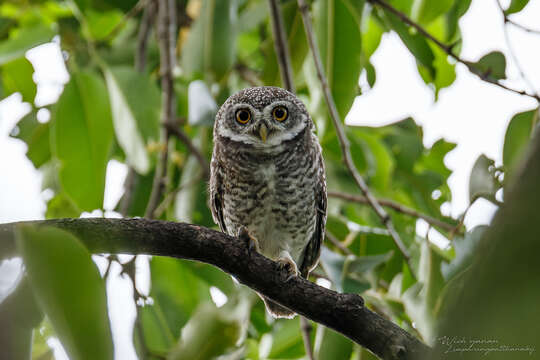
(273, 196)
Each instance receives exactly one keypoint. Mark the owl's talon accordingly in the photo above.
(251, 243)
(288, 265)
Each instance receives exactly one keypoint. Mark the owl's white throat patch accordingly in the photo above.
(274, 139)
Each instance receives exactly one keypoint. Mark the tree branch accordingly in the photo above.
(167, 49)
(342, 137)
(180, 135)
(281, 46)
(512, 53)
(395, 206)
(344, 313)
(522, 27)
(143, 34)
(448, 49)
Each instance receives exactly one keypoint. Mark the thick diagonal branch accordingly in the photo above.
(342, 312)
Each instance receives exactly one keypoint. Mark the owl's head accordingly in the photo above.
(262, 116)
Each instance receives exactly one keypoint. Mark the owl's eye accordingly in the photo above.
(243, 116)
(280, 113)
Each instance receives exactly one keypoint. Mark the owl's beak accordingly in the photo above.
(263, 132)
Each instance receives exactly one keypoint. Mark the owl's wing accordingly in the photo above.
(312, 250)
(216, 197)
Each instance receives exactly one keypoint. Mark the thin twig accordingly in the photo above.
(166, 25)
(343, 141)
(334, 240)
(169, 197)
(512, 53)
(395, 206)
(140, 64)
(141, 53)
(140, 5)
(448, 49)
(521, 27)
(307, 328)
(148, 18)
(280, 44)
(174, 129)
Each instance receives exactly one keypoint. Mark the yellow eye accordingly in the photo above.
(280, 113)
(243, 116)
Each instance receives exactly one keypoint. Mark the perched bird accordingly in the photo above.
(267, 181)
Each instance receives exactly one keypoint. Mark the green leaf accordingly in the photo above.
(433, 159)
(404, 139)
(491, 65)
(142, 187)
(459, 9)
(61, 206)
(296, 42)
(482, 182)
(213, 276)
(176, 292)
(99, 25)
(425, 11)
(516, 6)
(332, 345)
(17, 77)
(372, 31)
(82, 138)
(69, 289)
(381, 164)
(208, 334)
(464, 248)
(445, 72)
(211, 44)
(348, 273)
(158, 338)
(22, 40)
(415, 42)
(332, 264)
(252, 15)
(37, 138)
(19, 315)
(420, 299)
(340, 44)
(135, 103)
(517, 137)
(286, 340)
(371, 74)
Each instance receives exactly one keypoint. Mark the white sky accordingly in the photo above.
(471, 113)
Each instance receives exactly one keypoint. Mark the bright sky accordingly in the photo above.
(471, 113)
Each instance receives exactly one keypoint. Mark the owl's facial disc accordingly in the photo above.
(263, 117)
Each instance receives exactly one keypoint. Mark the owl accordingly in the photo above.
(267, 179)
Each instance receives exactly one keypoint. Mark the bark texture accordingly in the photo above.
(344, 313)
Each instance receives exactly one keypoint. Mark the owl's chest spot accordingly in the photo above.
(266, 176)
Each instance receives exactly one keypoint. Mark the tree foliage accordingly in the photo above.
(112, 109)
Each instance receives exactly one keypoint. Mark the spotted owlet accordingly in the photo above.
(267, 181)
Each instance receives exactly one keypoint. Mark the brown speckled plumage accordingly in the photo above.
(276, 188)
